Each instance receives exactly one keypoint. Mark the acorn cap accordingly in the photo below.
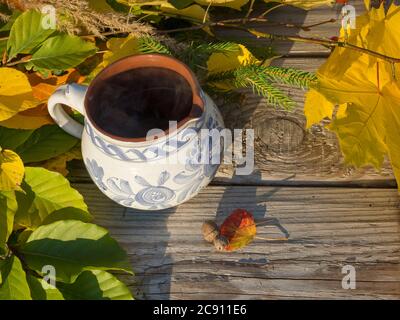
(220, 242)
(210, 230)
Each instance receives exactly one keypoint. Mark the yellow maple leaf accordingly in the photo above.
(305, 4)
(11, 170)
(15, 93)
(368, 126)
(235, 4)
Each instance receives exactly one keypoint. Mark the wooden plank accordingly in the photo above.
(286, 153)
(294, 17)
(329, 228)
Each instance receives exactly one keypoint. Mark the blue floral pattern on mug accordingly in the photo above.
(155, 196)
(96, 172)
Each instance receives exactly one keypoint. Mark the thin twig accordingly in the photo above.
(271, 9)
(249, 11)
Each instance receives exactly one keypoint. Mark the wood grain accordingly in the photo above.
(294, 17)
(328, 229)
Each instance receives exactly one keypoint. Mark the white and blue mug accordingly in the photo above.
(151, 172)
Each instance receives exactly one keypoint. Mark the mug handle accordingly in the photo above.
(71, 95)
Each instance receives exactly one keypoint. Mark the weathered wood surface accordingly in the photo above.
(300, 179)
(329, 228)
(295, 17)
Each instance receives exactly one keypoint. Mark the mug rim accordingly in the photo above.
(133, 62)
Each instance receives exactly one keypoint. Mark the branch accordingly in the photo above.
(325, 42)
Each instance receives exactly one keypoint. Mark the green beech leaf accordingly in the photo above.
(39, 292)
(8, 208)
(14, 285)
(95, 285)
(45, 143)
(73, 246)
(68, 213)
(13, 138)
(27, 33)
(62, 52)
(46, 193)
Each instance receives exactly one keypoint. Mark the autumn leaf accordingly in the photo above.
(369, 127)
(226, 61)
(117, 48)
(11, 170)
(59, 163)
(235, 4)
(42, 89)
(15, 93)
(29, 119)
(304, 4)
(193, 13)
(239, 229)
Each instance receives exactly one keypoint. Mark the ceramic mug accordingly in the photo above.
(136, 172)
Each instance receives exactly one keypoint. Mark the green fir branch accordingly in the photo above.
(290, 76)
(259, 82)
(150, 45)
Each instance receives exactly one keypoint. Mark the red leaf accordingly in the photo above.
(239, 229)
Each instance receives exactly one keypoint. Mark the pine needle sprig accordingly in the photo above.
(290, 76)
(260, 83)
(217, 47)
(149, 44)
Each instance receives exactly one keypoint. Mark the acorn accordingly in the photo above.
(220, 242)
(210, 231)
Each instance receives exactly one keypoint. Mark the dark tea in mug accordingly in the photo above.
(131, 103)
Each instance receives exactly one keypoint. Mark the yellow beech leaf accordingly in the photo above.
(11, 170)
(119, 48)
(194, 13)
(29, 119)
(59, 164)
(368, 126)
(235, 4)
(42, 89)
(305, 4)
(15, 93)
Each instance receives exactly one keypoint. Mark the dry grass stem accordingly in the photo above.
(77, 17)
